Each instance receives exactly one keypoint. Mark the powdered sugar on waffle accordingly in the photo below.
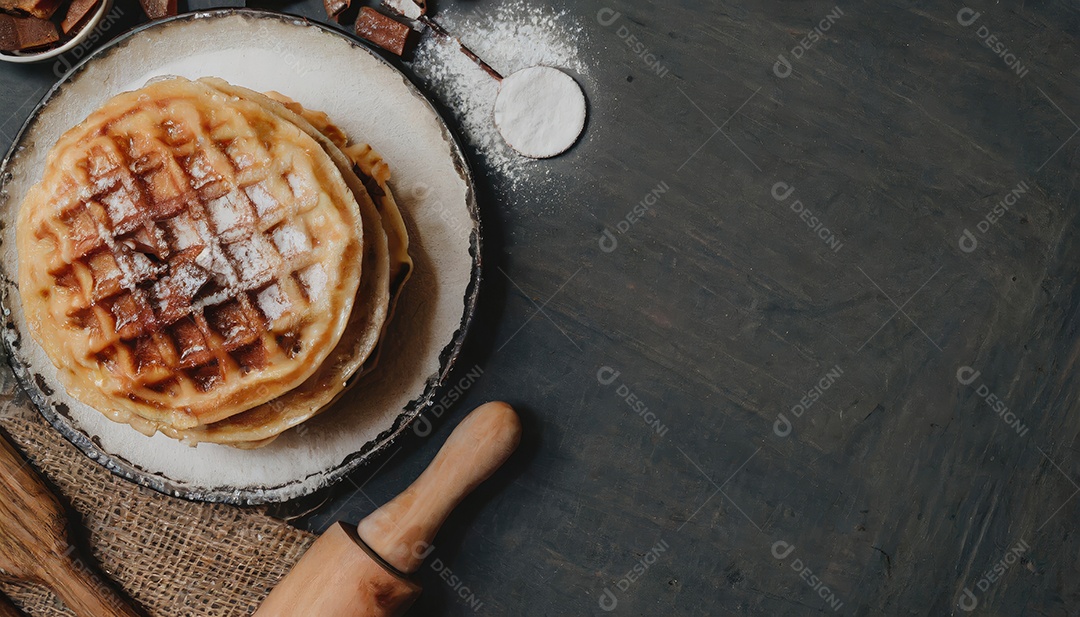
(186, 280)
(183, 231)
(291, 241)
(254, 261)
(314, 279)
(227, 213)
(200, 169)
(119, 205)
(273, 302)
(514, 35)
(138, 266)
(263, 200)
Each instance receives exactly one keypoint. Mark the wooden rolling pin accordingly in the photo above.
(34, 543)
(365, 572)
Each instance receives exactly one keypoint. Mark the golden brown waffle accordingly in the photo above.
(374, 173)
(187, 256)
(387, 267)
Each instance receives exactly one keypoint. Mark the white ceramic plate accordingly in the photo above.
(75, 41)
(372, 101)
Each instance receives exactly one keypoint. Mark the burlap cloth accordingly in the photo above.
(173, 557)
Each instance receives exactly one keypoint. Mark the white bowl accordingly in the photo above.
(52, 52)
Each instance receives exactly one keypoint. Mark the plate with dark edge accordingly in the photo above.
(373, 102)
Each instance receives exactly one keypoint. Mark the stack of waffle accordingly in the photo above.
(209, 262)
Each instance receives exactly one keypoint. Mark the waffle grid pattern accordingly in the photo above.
(185, 252)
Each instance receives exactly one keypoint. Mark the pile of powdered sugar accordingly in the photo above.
(540, 111)
(515, 34)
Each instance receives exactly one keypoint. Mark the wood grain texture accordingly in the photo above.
(402, 529)
(362, 573)
(899, 486)
(336, 576)
(34, 545)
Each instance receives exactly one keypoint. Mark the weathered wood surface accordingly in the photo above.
(899, 486)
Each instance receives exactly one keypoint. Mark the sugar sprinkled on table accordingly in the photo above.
(513, 36)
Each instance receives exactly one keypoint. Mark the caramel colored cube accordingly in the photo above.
(386, 32)
(23, 33)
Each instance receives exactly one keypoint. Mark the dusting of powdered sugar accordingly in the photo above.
(514, 35)
(314, 279)
(273, 302)
(263, 200)
(291, 241)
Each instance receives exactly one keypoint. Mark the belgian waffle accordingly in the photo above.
(387, 268)
(188, 256)
(374, 173)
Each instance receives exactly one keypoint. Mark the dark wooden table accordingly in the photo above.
(828, 370)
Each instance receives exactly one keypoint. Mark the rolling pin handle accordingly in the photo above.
(364, 571)
(402, 530)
